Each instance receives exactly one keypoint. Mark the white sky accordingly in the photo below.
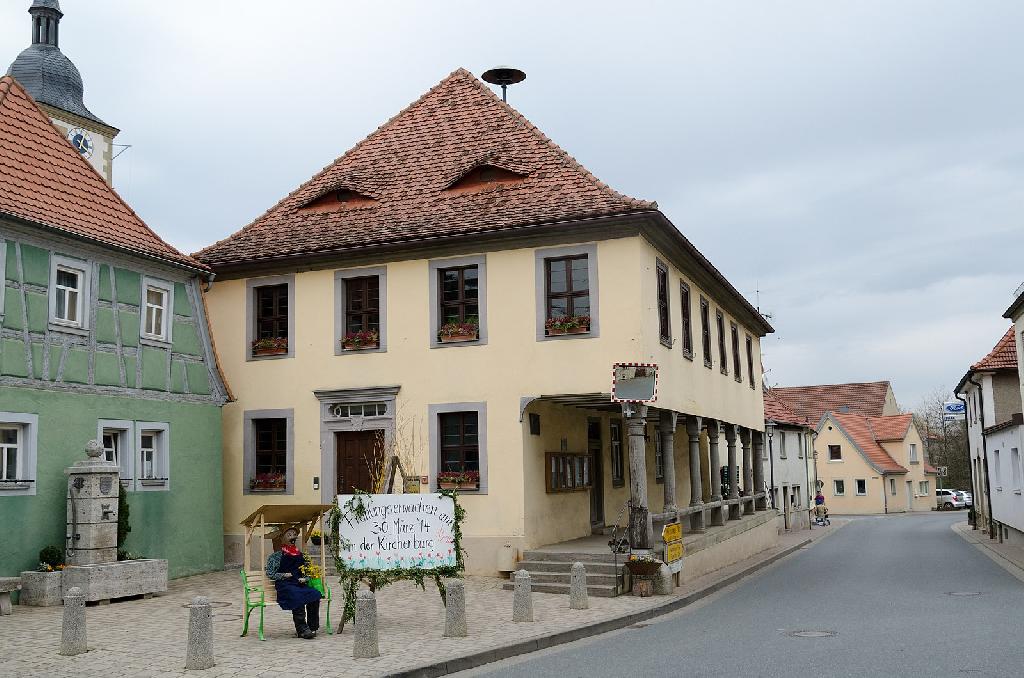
(859, 163)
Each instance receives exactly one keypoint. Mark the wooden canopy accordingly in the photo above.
(272, 520)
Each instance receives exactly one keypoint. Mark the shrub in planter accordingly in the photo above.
(271, 346)
(363, 339)
(463, 480)
(465, 331)
(567, 324)
(52, 557)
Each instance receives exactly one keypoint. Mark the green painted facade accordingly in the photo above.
(72, 379)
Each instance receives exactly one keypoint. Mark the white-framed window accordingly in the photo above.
(835, 453)
(923, 488)
(157, 304)
(18, 435)
(69, 292)
(152, 458)
(10, 453)
(839, 487)
(862, 487)
(892, 486)
(782, 444)
(117, 438)
(1015, 461)
(913, 453)
(996, 470)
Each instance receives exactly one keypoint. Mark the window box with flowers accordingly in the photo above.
(268, 482)
(270, 346)
(459, 480)
(361, 340)
(456, 332)
(567, 324)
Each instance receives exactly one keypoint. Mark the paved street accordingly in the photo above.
(881, 584)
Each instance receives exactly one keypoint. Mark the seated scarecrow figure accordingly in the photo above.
(293, 590)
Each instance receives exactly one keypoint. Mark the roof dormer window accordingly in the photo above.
(484, 176)
(339, 199)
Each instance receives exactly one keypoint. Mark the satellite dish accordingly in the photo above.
(504, 76)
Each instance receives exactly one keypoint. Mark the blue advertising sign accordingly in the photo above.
(953, 411)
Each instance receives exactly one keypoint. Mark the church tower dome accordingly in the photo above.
(55, 83)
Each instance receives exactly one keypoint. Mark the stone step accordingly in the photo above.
(597, 591)
(571, 557)
(533, 566)
(563, 578)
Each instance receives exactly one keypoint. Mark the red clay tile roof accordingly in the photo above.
(891, 428)
(43, 180)
(862, 431)
(1002, 356)
(776, 410)
(407, 164)
(813, 402)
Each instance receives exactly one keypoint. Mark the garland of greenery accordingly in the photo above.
(349, 577)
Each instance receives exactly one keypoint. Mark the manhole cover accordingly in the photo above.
(639, 626)
(812, 634)
(221, 616)
(964, 593)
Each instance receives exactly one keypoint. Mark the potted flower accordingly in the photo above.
(268, 482)
(459, 480)
(567, 324)
(361, 340)
(270, 346)
(42, 587)
(643, 568)
(455, 331)
(314, 573)
(316, 536)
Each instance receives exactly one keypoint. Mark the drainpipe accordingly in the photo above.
(984, 452)
(970, 466)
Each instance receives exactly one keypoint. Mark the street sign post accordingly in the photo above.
(672, 535)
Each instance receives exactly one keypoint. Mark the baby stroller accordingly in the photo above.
(821, 515)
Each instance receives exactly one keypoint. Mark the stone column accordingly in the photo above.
(93, 485)
(365, 645)
(731, 431)
(73, 637)
(641, 528)
(455, 609)
(522, 599)
(693, 425)
(758, 441)
(667, 431)
(199, 651)
(578, 599)
(715, 469)
(748, 474)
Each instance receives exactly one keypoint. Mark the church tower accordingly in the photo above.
(56, 85)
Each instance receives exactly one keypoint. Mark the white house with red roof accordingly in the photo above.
(789, 457)
(992, 392)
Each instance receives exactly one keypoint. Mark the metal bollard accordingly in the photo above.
(522, 603)
(578, 599)
(455, 609)
(199, 654)
(365, 644)
(72, 637)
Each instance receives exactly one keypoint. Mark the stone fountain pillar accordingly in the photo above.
(93, 487)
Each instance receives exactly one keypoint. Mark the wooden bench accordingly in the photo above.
(259, 592)
(7, 585)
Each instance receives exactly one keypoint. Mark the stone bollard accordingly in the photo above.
(578, 587)
(455, 609)
(522, 603)
(663, 584)
(199, 654)
(72, 637)
(365, 644)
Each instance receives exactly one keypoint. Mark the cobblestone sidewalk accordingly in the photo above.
(1008, 556)
(148, 637)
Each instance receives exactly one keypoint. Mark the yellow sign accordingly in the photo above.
(673, 551)
(672, 532)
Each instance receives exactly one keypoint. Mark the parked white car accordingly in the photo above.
(967, 498)
(948, 500)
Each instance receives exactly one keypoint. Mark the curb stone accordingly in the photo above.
(464, 663)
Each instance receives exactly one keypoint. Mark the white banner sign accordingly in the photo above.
(398, 531)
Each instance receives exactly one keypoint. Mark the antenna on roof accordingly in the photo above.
(504, 76)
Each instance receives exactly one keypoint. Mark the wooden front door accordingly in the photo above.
(359, 454)
(597, 488)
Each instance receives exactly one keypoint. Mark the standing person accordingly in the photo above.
(293, 590)
(819, 505)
